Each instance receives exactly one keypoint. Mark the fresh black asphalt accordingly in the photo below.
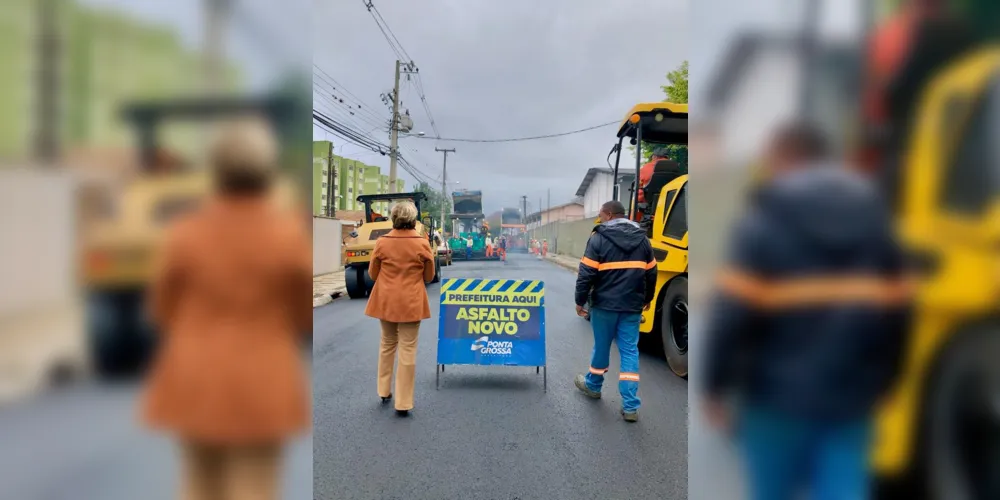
(491, 433)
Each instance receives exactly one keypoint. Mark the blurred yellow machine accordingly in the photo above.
(662, 123)
(119, 248)
(358, 253)
(938, 434)
(941, 428)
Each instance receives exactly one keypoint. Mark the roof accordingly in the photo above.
(669, 127)
(592, 173)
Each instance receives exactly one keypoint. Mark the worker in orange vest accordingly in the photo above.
(545, 248)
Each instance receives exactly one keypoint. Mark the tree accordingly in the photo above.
(676, 91)
(432, 205)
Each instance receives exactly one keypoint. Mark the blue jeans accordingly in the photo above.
(468, 252)
(623, 329)
(784, 454)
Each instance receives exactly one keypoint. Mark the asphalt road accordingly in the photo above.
(84, 442)
(490, 433)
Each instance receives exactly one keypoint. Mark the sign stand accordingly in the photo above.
(544, 370)
(492, 323)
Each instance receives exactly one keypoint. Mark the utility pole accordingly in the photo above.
(216, 12)
(47, 131)
(548, 205)
(330, 191)
(444, 184)
(524, 211)
(394, 132)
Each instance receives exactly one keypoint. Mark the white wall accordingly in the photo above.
(598, 193)
(38, 242)
(327, 241)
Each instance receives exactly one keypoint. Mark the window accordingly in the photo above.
(974, 177)
(677, 224)
(668, 197)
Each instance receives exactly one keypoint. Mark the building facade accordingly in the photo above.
(348, 179)
(104, 59)
(561, 213)
(598, 187)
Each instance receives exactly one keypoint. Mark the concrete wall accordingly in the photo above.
(41, 315)
(327, 241)
(567, 238)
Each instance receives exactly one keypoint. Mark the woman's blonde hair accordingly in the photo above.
(404, 215)
(244, 155)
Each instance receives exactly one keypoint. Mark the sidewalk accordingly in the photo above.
(565, 261)
(327, 287)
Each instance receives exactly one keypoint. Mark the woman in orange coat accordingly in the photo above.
(229, 378)
(401, 264)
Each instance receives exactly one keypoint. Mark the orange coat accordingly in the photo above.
(231, 299)
(401, 263)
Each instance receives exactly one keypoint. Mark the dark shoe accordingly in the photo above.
(630, 416)
(402, 413)
(386, 399)
(581, 383)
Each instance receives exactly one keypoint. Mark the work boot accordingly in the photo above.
(630, 416)
(581, 383)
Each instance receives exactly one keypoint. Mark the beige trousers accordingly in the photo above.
(404, 336)
(230, 472)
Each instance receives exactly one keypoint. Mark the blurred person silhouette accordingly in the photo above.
(807, 329)
(228, 379)
(618, 275)
(402, 262)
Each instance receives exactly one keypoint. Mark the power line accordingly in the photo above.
(357, 138)
(338, 87)
(516, 139)
(397, 48)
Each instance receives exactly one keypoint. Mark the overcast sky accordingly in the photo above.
(504, 69)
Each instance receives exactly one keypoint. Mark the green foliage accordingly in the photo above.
(676, 91)
(432, 205)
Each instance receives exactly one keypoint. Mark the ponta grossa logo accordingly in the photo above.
(486, 346)
(480, 343)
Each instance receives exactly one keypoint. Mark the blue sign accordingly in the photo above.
(492, 322)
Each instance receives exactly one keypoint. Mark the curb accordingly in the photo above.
(563, 265)
(326, 298)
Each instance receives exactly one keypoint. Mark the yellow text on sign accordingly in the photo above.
(490, 320)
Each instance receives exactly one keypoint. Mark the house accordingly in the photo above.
(561, 213)
(598, 187)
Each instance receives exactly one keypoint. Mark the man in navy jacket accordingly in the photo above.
(808, 325)
(618, 274)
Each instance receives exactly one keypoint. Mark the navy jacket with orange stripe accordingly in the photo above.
(618, 270)
(811, 314)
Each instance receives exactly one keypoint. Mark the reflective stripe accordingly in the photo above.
(627, 264)
(598, 371)
(611, 266)
(824, 290)
(630, 377)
